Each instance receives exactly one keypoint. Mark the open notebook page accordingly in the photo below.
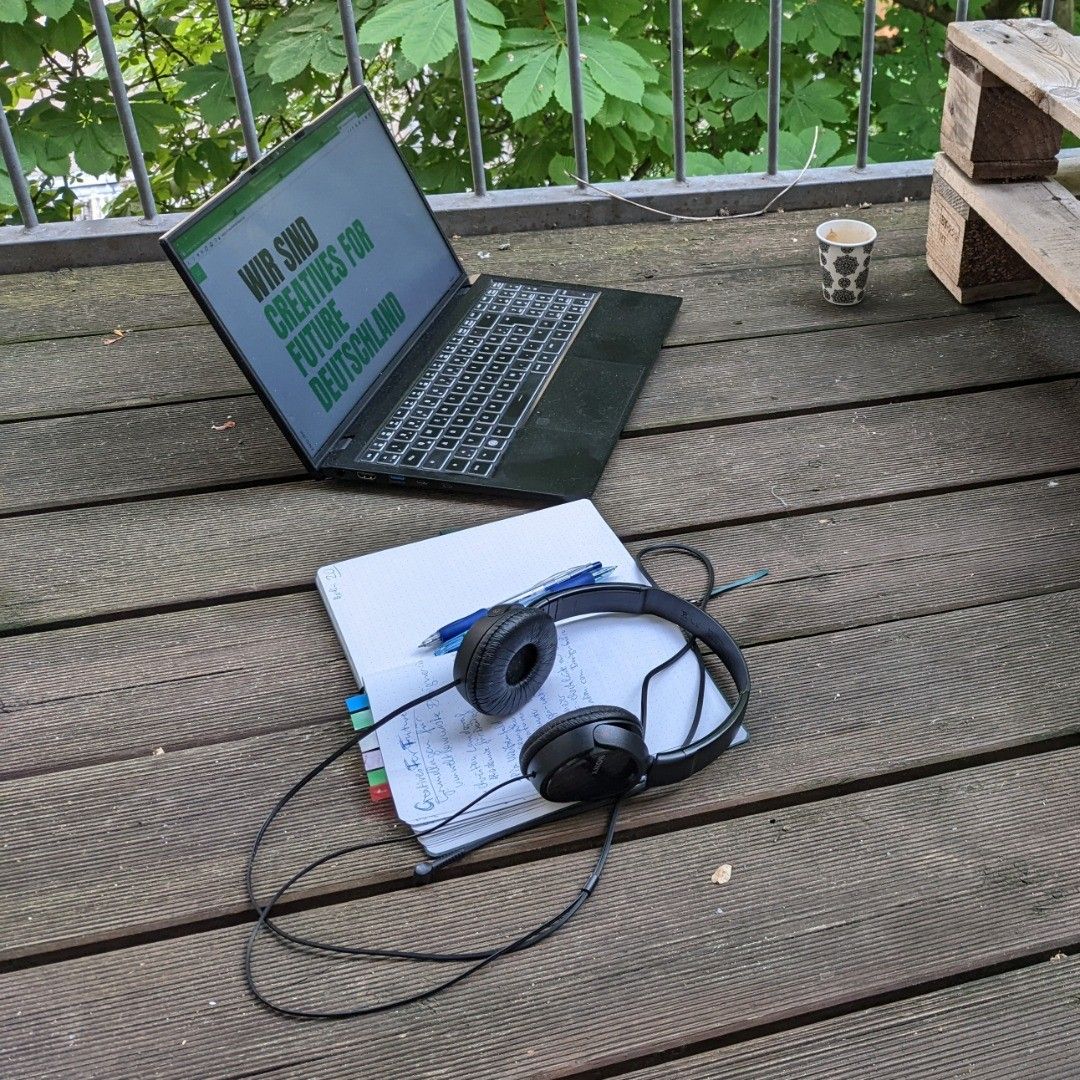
(443, 754)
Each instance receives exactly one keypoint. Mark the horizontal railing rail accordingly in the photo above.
(657, 191)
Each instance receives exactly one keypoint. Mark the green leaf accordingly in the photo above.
(606, 61)
(794, 148)
(19, 48)
(54, 9)
(91, 157)
(592, 97)
(288, 60)
(561, 164)
(698, 163)
(503, 65)
(656, 101)
(813, 101)
(392, 20)
(431, 37)
(486, 12)
(12, 11)
(64, 35)
(485, 41)
(7, 192)
(749, 21)
(531, 88)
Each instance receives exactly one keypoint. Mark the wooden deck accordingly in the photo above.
(903, 826)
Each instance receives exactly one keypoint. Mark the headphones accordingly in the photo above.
(597, 752)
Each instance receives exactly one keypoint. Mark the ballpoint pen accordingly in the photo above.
(449, 636)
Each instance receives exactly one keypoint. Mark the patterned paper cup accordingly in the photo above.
(845, 245)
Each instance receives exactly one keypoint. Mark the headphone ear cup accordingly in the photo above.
(505, 658)
(574, 757)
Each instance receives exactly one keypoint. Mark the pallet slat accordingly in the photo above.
(1038, 219)
(1034, 56)
(827, 904)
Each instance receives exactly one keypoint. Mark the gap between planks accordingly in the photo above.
(830, 905)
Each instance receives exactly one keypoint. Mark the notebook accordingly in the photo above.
(441, 755)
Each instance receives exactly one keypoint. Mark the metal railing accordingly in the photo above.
(103, 28)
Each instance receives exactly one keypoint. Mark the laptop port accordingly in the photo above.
(397, 479)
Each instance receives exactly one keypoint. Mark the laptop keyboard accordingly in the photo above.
(461, 413)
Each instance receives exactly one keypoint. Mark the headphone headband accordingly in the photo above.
(670, 766)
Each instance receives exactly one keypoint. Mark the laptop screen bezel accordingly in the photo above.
(168, 240)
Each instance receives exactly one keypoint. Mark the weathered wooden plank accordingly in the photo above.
(828, 904)
(991, 131)
(81, 459)
(202, 676)
(95, 300)
(720, 380)
(1038, 219)
(1033, 56)
(998, 1028)
(828, 710)
(95, 560)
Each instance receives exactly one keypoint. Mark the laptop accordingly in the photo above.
(326, 275)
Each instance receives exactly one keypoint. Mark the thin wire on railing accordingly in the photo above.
(961, 10)
(123, 106)
(776, 16)
(352, 49)
(15, 173)
(239, 80)
(577, 104)
(678, 90)
(472, 107)
(866, 67)
(1048, 10)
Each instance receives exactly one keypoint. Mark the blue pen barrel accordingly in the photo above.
(460, 626)
(586, 577)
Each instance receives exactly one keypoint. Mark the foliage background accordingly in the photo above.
(60, 108)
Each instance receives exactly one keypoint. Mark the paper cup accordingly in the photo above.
(844, 245)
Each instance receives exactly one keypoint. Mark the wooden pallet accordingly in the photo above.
(999, 225)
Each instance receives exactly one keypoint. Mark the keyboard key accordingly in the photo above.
(413, 458)
(503, 431)
(436, 459)
(446, 444)
(487, 455)
(457, 464)
(479, 468)
(472, 440)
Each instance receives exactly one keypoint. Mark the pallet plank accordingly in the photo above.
(197, 677)
(1033, 56)
(828, 710)
(828, 904)
(95, 300)
(1019, 1024)
(1038, 219)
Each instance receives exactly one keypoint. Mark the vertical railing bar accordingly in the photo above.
(866, 82)
(1048, 10)
(123, 106)
(776, 29)
(577, 103)
(239, 80)
(15, 173)
(678, 90)
(472, 107)
(352, 49)
(961, 10)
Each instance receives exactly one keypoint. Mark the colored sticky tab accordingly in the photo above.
(357, 702)
(377, 778)
(380, 792)
(373, 759)
(362, 719)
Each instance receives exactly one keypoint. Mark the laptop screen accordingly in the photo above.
(320, 264)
